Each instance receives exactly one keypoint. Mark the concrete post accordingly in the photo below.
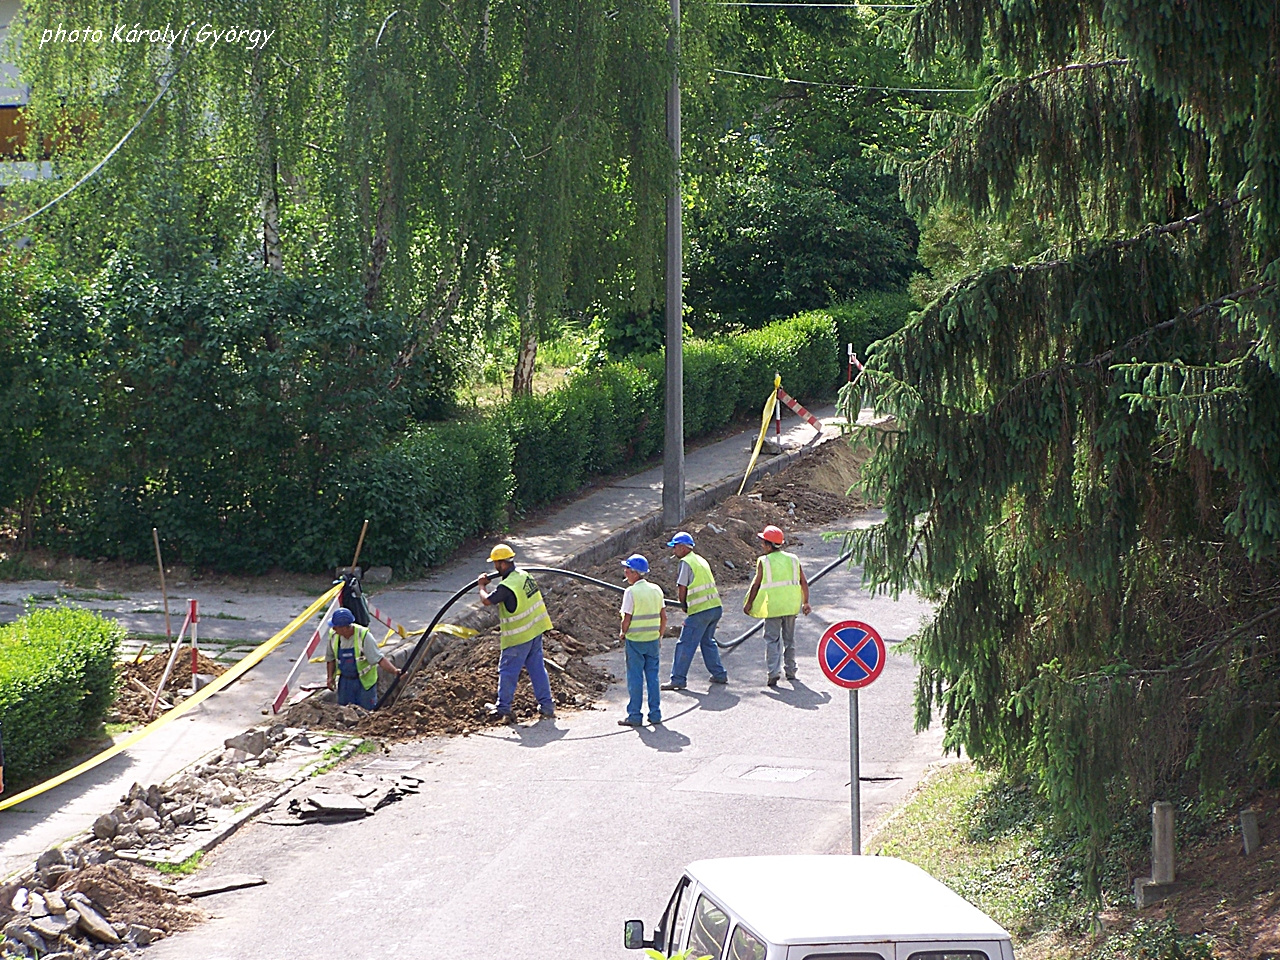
(1162, 869)
(673, 443)
(1249, 831)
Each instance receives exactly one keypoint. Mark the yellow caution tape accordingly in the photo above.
(231, 676)
(764, 427)
(466, 633)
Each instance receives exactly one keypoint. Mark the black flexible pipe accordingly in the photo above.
(412, 664)
(738, 641)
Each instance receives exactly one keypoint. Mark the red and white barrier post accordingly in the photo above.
(193, 614)
(283, 696)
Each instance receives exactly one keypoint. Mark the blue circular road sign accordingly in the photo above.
(851, 654)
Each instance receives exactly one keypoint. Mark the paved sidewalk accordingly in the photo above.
(567, 533)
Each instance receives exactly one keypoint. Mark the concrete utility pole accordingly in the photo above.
(673, 446)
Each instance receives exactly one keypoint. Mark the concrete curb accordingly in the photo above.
(259, 806)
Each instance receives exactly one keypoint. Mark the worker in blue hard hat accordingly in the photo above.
(352, 659)
(697, 592)
(644, 621)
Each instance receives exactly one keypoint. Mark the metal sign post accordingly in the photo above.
(851, 654)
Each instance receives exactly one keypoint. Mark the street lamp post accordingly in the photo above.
(673, 444)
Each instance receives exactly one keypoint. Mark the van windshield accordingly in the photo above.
(710, 924)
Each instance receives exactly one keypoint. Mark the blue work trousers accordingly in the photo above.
(350, 689)
(524, 656)
(699, 630)
(642, 671)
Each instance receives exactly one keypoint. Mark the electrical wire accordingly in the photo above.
(164, 88)
(846, 86)
(414, 662)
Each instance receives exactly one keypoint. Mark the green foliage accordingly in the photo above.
(871, 316)
(1084, 478)
(57, 679)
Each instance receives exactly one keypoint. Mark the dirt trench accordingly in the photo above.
(449, 694)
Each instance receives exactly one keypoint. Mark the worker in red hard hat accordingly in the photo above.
(778, 592)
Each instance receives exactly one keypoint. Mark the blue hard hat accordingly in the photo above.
(636, 562)
(681, 538)
(342, 617)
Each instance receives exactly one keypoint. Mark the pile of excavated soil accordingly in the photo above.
(822, 487)
(132, 704)
(449, 694)
(127, 899)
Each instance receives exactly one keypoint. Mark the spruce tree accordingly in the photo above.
(1086, 475)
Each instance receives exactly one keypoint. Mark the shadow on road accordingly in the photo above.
(714, 700)
(800, 696)
(663, 739)
(538, 734)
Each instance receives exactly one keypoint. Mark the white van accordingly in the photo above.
(819, 908)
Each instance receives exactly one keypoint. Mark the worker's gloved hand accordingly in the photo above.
(483, 580)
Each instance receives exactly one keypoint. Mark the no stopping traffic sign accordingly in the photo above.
(851, 654)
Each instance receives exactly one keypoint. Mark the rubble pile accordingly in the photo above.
(73, 905)
(349, 795)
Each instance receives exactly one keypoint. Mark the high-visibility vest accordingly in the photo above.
(530, 618)
(779, 594)
(368, 672)
(646, 612)
(701, 594)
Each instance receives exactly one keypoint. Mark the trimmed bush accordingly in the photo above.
(57, 679)
(871, 317)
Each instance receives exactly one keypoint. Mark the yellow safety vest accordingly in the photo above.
(368, 672)
(779, 594)
(701, 594)
(530, 618)
(646, 614)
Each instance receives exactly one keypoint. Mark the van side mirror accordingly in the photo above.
(633, 935)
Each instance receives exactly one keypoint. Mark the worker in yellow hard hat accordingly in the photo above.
(522, 620)
(778, 592)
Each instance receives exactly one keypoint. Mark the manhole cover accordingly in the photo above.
(776, 774)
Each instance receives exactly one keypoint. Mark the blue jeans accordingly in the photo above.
(642, 671)
(699, 630)
(524, 656)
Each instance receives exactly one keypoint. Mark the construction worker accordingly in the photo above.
(644, 621)
(522, 620)
(696, 589)
(782, 592)
(352, 659)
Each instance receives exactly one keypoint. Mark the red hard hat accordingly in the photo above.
(772, 534)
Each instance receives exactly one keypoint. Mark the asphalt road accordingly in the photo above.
(540, 841)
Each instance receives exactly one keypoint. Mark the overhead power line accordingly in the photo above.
(164, 87)
(847, 86)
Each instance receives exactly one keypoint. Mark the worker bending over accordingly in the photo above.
(778, 592)
(644, 621)
(522, 620)
(355, 655)
(696, 590)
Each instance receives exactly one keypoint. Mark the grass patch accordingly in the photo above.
(333, 755)
(986, 839)
(183, 869)
(220, 616)
(96, 595)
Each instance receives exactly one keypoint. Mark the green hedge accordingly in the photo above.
(871, 317)
(57, 679)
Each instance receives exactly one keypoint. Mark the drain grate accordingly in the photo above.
(776, 774)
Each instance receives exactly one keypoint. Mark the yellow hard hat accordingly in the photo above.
(502, 552)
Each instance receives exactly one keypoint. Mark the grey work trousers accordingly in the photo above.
(780, 646)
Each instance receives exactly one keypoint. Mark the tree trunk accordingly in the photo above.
(522, 381)
(268, 172)
(381, 244)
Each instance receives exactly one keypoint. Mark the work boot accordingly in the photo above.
(791, 676)
(772, 682)
(547, 714)
(724, 679)
(672, 685)
(628, 722)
